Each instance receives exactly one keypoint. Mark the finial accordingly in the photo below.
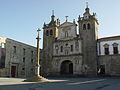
(86, 4)
(44, 24)
(66, 18)
(74, 21)
(79, 18)
(38, 30)
(53, 12)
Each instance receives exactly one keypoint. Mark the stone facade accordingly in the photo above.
(110, 62)
(69, 48)
(19, 58)
(68, 52)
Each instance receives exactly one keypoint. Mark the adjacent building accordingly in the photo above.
(16, 59)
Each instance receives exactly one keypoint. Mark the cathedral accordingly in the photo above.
(70, 48)
(68, 52)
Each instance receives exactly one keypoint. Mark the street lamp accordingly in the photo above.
(37, 77)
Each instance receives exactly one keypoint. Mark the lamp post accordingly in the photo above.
(37, 77)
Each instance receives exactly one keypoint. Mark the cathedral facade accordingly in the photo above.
(74, 48)
(66, 52)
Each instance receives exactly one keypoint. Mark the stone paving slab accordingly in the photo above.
(61, 84)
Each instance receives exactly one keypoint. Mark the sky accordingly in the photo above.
(19, 19)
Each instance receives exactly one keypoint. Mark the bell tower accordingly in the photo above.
(50, 33)
(88, 31)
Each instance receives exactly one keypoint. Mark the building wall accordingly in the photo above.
(101, 44)
(23, 60)
(75, 59)
(110, 61)
(76, 43)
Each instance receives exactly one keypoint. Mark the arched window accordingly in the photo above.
(47, 33)
(51, 32)
(84, 26)
(88, 26)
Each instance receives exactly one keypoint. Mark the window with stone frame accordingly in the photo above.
(106, 49)
(51, 32)
(24, 51)
(47, 32)
(84, 26)
(61, 49)
(88, 26)
(56, 48)
(24, 59)
(32, 54)
(14, 49)
(71, 48)
(115, 48)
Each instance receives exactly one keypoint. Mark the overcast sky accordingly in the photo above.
(19, 19)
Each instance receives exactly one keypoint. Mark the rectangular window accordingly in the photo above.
(24, 59)
(61, 48)
(23, 51)
(31, 53)
(71, 47)
(106, 51)
(115, 50)
(14, 47)
(31, 60)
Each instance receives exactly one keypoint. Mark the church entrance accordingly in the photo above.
(66, 67)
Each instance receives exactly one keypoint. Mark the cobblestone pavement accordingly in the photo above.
(62, 84)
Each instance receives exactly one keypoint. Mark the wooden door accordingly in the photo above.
(13, 71)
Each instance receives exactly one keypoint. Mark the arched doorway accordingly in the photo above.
(66, 67)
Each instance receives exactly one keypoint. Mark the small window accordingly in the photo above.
(84, 26)
(106, 51)
(23, 69)
(88, 26)
(24, 59)
(115, 50)
(51, 32)
(23, 51)
(61, 48)
(47, 33)
(31, 53)
(14, 47)
(31, 60)
(71, 48)
(56, 47)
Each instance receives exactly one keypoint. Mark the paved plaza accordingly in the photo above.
(62, 84)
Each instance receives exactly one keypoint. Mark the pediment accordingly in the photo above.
(66, 24)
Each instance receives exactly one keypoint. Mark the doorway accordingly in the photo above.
(13, 71)
(66, 67)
